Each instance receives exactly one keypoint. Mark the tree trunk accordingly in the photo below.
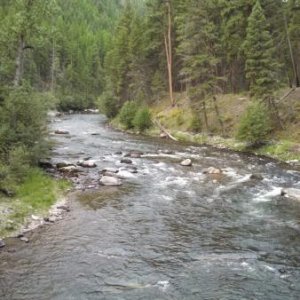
(19, 61)
(205, 114)
(218, 114)
(168, 48)
(53, 67)
(296, 81)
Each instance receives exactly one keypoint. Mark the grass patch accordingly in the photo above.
(35, 195)
(284, 150)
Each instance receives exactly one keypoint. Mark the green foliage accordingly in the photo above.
(127, 114)
(261, 63)
(108, 104)
(142, 119)
(195, 124)
(34, 195)
(23, 116)
(255, 124)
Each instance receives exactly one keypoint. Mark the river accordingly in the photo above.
(169, 232)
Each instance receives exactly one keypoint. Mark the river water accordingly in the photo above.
(169, 232)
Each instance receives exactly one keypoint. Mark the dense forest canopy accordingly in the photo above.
(75, 54)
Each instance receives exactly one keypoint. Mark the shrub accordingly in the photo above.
(23, 117)
(255, 124)
(127, 114)
(195, 124)
(108, 104)
(142, 119)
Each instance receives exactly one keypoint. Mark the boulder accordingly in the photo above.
(87, 164)
(24, 239)
(256, 177)
(110, 181)
(186, 163)
(69, 170)
(64, 164)
(291, 193)
(59, 131)
(212, 170)
(6, 192)
(45, 164)
(2, 243)
(126, 161)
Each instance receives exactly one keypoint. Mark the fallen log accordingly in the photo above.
(164, 130)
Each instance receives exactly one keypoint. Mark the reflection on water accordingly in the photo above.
(169, 232)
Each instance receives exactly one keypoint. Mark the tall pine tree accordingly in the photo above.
(261, 64)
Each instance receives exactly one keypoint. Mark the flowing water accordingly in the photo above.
(169, 232)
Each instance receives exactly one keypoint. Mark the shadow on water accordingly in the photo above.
(106, 195)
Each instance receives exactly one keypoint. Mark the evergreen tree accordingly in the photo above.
(261, 64)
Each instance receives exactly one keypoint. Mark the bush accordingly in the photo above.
(195, 124)
(142, 119)
(127, 114)
(23, 119)
(108, 104)
(255, 124)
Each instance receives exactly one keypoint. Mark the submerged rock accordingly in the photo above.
(256, 177)
(59, 131)
(110, 181)
(212, 170)
(126, 161)
(166, 151)
(186, 163)
(2, 243)
(134, 154)
(45, 164)
(131, 169)
(24, 239)
(291, 193)
(110, 170)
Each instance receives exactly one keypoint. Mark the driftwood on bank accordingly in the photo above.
(287, 94)
(164, 130)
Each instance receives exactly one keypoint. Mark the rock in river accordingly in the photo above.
(186, 163)
(69, 170)
(126, 161)
(256, 177)
(212, 170)
(2, 244)
(59, 131)
(87, 164)
(134, 154)
(291, 193)
(110, 181)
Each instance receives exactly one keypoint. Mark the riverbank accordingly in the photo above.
(35, 200)
(180, 121)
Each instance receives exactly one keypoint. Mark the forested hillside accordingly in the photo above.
(202, 50)
(51, 56)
